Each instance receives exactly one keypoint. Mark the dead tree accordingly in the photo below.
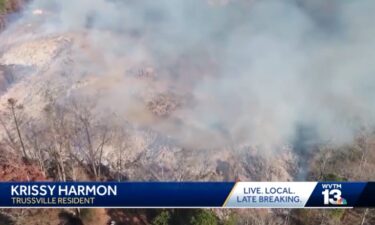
(58, 137)
(120, 145)
(92, 133)
(34, 133)
(12, 121)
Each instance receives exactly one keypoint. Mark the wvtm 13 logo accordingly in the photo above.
(332, 194)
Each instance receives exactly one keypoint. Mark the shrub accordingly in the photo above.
(3, 4)
(204, 217)
(231, 220)
(337, 213)
(162, 219)
(333, 177)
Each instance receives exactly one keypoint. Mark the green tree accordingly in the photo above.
(204, 217)
(2, 5)
(162, 219)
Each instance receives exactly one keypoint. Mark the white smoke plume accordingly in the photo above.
(255, 70)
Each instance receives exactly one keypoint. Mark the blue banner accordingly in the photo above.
(188, 194)
(114, 194)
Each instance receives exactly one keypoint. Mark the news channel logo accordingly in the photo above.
(333, 195)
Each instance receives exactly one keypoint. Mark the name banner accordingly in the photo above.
(187, 194)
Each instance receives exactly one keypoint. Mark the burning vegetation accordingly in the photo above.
(187, 90)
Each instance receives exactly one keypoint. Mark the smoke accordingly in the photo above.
(254, 71)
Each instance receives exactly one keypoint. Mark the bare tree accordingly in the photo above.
(120, 145)
(11, 121)
(363, 145)
(92, 133)
(58, 137)
(323, 161)
(34, 133)
(363, 220)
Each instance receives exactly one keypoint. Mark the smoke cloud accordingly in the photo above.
(252, 71)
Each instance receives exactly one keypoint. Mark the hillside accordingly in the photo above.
(186, 91)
